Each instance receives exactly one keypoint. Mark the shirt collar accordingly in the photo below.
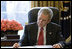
(43, 28)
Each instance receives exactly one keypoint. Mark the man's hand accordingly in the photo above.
(56, 46)
(16, 45)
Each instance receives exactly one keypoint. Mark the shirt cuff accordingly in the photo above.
(60, 45)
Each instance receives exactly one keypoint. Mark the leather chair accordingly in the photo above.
(32, 15)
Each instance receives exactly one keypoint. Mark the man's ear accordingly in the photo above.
(49, 20)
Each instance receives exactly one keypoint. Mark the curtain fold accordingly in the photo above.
(58, 4)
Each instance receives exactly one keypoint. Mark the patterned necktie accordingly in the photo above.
(41, 37)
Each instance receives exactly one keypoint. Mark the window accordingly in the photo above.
(3, 10)
(16, 10)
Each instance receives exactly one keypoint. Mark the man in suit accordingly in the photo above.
(44, 32)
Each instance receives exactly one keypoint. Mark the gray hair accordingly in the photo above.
(46, 11)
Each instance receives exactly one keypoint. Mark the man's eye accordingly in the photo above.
(44, 20)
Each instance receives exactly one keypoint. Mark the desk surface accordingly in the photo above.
(44, 46)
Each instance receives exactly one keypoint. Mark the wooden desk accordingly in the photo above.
(9, 42)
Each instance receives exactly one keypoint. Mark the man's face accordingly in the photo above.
(43, 20)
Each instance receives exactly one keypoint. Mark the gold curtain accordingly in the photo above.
(58, 4)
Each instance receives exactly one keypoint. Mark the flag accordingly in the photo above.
(66, 20)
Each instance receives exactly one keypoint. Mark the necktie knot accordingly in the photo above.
(41, 28)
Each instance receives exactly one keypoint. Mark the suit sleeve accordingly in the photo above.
(24, 40)
(59, 35)
(66, 44)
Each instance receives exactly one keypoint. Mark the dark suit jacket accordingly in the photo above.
(29, 38)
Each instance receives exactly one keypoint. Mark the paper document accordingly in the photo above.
(42, 46)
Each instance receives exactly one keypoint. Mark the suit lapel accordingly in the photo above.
(35, 32)
(48, 34)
